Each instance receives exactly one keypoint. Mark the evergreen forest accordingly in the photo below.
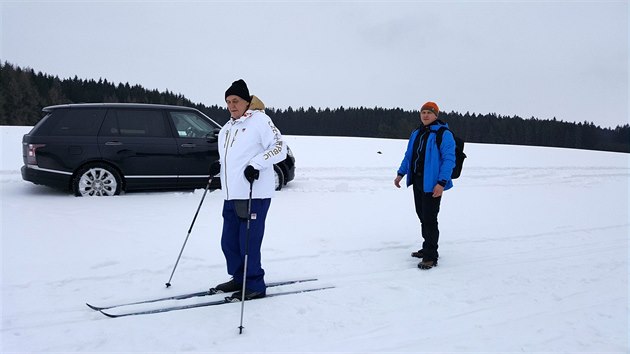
(23, 94)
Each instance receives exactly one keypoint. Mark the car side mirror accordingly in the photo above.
(213, 135)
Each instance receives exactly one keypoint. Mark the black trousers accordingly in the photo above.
(427, 209)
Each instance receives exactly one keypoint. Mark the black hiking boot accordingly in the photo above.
(249, 295)
(419, 254)
(427, 264)
(226, 287)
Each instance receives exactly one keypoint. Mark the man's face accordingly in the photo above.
(236, 105)
(427, 117)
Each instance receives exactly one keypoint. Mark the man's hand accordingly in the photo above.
(251, 174)
(437, 191)
(397, 181)
(215, 168)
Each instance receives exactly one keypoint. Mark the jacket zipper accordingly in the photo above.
(420, 150)
(234, 137)
(227, 139)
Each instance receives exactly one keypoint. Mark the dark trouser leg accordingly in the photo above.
(427, 209)
(233, 243)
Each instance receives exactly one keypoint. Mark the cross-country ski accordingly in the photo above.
(190, 295)
(205, 304)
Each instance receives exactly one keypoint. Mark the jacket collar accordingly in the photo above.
(437, 124)
(255, 105)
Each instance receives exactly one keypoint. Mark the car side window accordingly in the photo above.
(191, 125)
(135, 122)
(77, 122)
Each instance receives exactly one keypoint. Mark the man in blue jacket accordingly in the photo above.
(428, 168)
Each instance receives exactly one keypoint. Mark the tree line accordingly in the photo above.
(23, 94)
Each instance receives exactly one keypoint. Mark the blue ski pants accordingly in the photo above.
(234, 242)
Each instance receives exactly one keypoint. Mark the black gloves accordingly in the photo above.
(215, 168)
(251, 174)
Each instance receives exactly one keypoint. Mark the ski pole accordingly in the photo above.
(249, 218)
(168, 284)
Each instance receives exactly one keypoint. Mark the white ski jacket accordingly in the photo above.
(253, 140)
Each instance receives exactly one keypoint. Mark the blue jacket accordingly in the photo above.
(438, 163)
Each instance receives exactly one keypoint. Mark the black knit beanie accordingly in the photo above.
(239, 88)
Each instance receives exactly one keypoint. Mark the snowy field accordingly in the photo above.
(533, 258)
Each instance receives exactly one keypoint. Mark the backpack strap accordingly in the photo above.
(438, 137)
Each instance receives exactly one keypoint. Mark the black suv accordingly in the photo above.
(96, 149)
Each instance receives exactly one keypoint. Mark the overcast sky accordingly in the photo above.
(563, 59)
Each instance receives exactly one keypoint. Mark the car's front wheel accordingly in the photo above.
(279, 177)
(97, 179)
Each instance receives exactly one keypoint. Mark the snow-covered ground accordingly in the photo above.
(533, 246)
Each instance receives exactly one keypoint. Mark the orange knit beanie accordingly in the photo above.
(430, 106)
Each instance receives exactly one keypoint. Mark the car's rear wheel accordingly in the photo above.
(279, 177)
(97, 179)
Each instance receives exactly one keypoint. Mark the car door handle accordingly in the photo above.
(113, 143)
(189, 145)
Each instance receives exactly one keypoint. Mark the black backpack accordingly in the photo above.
(459, 151)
